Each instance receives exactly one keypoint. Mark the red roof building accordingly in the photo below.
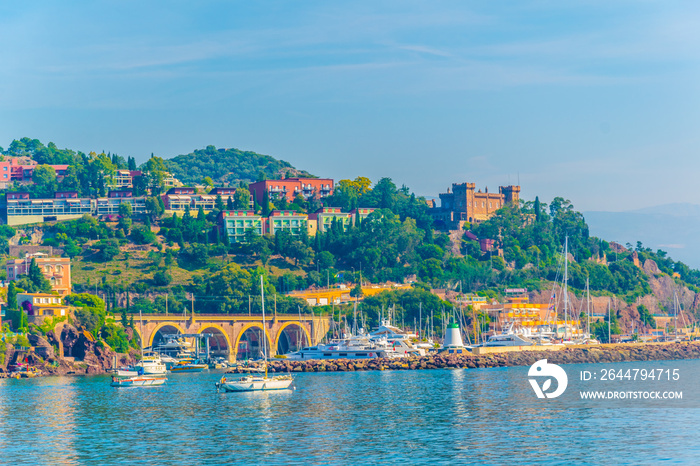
(308, 188)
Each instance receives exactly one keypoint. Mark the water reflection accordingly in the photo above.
(440, 416)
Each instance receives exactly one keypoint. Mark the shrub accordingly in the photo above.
(162, 278)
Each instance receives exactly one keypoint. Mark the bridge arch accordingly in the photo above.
(248, 327)
(160, 326)
(287, 324)
(138, 332)
(206, 326)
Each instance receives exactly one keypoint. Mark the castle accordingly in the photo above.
(465, 204)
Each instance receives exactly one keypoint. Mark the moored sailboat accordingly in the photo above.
(251, 383)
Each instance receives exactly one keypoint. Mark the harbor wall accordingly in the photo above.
(513, 349)
(566, 355)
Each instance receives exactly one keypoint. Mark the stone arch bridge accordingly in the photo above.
(236, 335)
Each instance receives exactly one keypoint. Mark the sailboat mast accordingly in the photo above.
(566, 285)
(609, 321)
(675, 315)
(141, 325)
(588, 309)
(264, 342)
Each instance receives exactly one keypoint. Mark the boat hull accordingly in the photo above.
(189, 368)
(139, 382)
(254, 384)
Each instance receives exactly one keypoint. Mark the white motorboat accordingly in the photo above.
(137, 381)
(399, 341)
(508, 338)
(151, 364)
(169, 361)
(348, 347)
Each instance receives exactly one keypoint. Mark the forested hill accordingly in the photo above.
(228, 166)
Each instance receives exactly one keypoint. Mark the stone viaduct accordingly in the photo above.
(232, 333)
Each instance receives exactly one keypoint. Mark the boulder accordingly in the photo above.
(69, 337)
(42, 346)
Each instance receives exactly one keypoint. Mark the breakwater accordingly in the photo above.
(575, 355)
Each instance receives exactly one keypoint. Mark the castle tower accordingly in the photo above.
(511, 193)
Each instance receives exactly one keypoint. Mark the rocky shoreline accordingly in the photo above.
(87, 357)
(98, 360)
(578, 355)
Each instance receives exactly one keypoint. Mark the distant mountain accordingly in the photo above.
(674, 228)
(228, 166)
(679, 209)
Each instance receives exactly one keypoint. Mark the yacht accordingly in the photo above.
(151, 364)
(399, 340)
(349, 347)
(508, 338)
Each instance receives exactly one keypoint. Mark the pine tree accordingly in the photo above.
(266, 204)
(37, 278)
(12, 297)
(229, 203)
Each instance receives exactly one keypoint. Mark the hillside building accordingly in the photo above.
(55, 269)
(42, 304)
(22, 210)
(234, 224)
(325, 216)
(124, 179)
(308, 188)
(287, 220)
(12, 170)
(109, 206)
(465, 204)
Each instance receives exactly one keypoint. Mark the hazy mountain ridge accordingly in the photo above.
(674, 228)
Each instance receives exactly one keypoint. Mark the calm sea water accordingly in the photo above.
(443, 416)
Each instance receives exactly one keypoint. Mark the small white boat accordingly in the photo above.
(254, 382)
(151, 364)
(137, 381)
(251, 383)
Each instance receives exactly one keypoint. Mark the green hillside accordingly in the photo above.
(228, 166)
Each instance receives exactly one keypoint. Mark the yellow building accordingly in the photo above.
(341, 294)
(42, 304)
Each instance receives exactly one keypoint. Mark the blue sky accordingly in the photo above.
(595, 101)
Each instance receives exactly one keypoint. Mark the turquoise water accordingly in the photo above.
(415, 417)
